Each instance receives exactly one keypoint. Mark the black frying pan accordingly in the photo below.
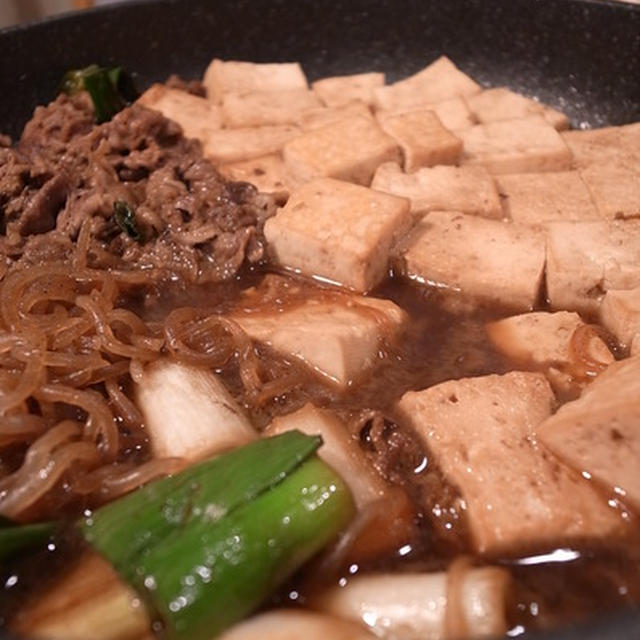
(582, 56)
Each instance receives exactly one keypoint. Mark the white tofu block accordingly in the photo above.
(600, 432)
(197, 116)
(339, 339)
(615, 190)
(488, 260)
(515, 146)
(635, 345)
(548, 342)
(188, 412)
(294, 624)
(266, 107)
(339, 450)
(620, 314)
(453, 113)
(469, 190)
(438, 81)
(586, 259)
(493, 105)
(610, 146)
(338, 231)
(422, 138)
(322, 116)
(338, 91)
(416, 606)
(482, 434)
(232, 145)
(534, 198)
(230, 76)
(349, 149)
(267, 173)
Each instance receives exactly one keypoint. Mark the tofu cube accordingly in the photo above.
(197, 116)
(469, 190)
(453, 113)
(534, 198)
(544, 342)
(599, 434)
(350, 149)
(338, 231)
(615, 190)
(521, 145)
(231, 76)
(586, 259)
(267, 173)
(188, 412)
(493, 105)
(488, 260)
(266, 107)
(233, 145)
(610, 146)
(422, 138)
(482, 434)
(323, 116)
(620, 314)
(438, 81)
(339, 340)
(338, 91)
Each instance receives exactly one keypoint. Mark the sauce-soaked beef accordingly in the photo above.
(188, 220)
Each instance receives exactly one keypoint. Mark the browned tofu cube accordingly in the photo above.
(534, 198)
(232, 76)
(610, 146)
(233, 145)
(615, 190)
(493, 105)
(339, 339)
(523, 145)
(266, 107)
(438, 81)
(620, 314)
(322, 116)
(338, 91)
(469, 190)
(338, 231)
(350, 149)
(267, 173)
(453, 113)
(482, 434)
(423, 139)
(488, 260)
(586, 259)
(549, 342)
(599, 434)
(197, 116)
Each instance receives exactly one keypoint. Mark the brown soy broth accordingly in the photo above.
(445, 339)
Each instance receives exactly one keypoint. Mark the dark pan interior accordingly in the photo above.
(582, 56)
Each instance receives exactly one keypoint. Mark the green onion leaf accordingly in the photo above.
(110, 89)
(16, 538)
(208, 545)
(125, 218)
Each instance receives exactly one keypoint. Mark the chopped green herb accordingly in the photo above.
(125, 218)
(110, 89)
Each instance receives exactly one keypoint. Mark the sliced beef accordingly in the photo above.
(66, 170)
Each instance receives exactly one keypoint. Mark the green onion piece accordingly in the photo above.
(207, 546)
(110, 89)
(16, 538)
(125, 218)
(146, 517)
(106, 100)
(206, 577)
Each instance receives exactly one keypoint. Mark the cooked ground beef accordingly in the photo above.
(66, 172)
(190, 86)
